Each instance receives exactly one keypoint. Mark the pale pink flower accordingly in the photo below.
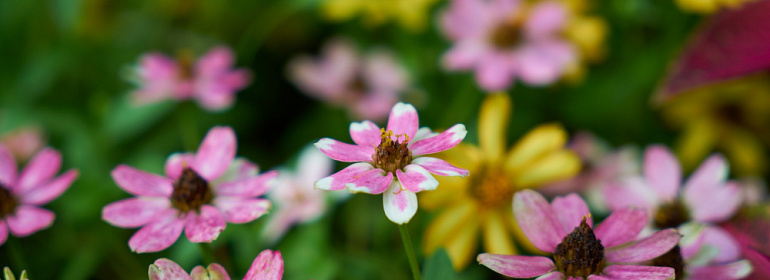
(564, 228)
(200, 193)
(505, 39)
(367, 85)
(391, 161)
(211, 81)
(22, 194)
(267, 266)
(24, 141)
(714, 255)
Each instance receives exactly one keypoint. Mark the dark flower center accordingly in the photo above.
(580, 254)
(191, 191)
(392, 155)
(732, 113)
(673, 259)
(8, 202)
(492, 188)
(185, 60)
(507, 34)
(671, 215)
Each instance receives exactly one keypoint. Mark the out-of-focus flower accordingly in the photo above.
(211, 81)
(21, 194)
(482, 202)
(392, 161)
(709, 6)
(8, 275)
(368, 86)
(267, 266)
(410, 14)
(750, 228)
(24, 141)
(537, 42)
(200, 193)
(578, 249)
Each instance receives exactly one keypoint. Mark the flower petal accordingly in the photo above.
(204, 226)
(542, 140)
(365, 133)
(267, 266)
(399, 203)
(728, 247)
(312, 165)
(345, 152)
(165, 269)
(43, 194)
(644, 249)
(517, 266)
(238, 210)
(441, 142)
(439, 167)
(702, 202)
(29, 219)
(7, 166)
(403, 120)
(555, 275)
(493, 123)
(374, 181)
(40, 169)
(447, 224)
(135, 211)
(621, 226)
(416, 179)
(630, 192)
(662, 172)
(158, 234)
(337, 181)
(570, 210)
(549, 168)
(711, 173)
(537, 220)
(3, 232)
(141, 183)
(545, 19)
(543, 62)
(497, 234)
(249, 187)
(638, 272)
(215, 153)
(495, 70)
(176, 162)
(199, 273)
(734, 270)
(217, 272)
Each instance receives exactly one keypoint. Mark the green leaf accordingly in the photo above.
(439, 266)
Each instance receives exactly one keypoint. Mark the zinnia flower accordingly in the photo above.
(410, 14)
(581, 251)
(22, 194)
(368, 86)
(210, 80)
(267, 266)
(200, 193)
(391, 161)
(481, 203)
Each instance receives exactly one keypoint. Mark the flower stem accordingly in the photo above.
(207, 253)
(410, 251)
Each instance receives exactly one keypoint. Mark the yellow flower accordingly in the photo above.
(411, 14)
(708, 6)
(587, 33)
(732, 117)
(481, 203)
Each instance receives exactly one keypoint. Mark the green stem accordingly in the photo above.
(410, 251)
(207, 253)
(17, 254)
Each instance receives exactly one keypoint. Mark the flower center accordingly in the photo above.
(184, 60)
(580, 254)
(673, 259)
(671, 215)
(507, 34)
(732, 113)
(491, 188)
(191, 191)
(391, 155)
(8, 202)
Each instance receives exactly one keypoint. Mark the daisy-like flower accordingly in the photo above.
(24, 142)
(267, 266)
(579, 250)
(199, 194)
(211, 81)
(479, 206)
(21, 195)
(390, 161)
(368, 86)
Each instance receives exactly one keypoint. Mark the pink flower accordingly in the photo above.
(368, 86)
(22, 194)
(210, 81)
(24, 142)
(581, 251)
(396, 153)
(200, 193)
(505, 39)
(267, 266)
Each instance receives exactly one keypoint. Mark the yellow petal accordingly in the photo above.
(447, 225)
(498, 239)
(695, 143)
(462, 247)
(745, 152)
(698, 6)
(537, 143)
(453, 188)
(550, 168)
(339, 10)
(493, 123)
(588, 34)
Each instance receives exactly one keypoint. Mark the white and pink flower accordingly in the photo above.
(267, 266)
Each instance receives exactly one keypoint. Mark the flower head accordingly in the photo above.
(22, 194)
(210, 80)
(267, 266)
(382, 155)
(199, 194)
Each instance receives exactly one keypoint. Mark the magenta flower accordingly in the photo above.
(504, 39)
(22, 194)
(210, 80)
(368, 86)
(267, 266)
(580, 251)
(200, 193)
(391, 161)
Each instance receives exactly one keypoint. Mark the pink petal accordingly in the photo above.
(199, 273)
(158, 234)
(555, 275)
(43, 194)
(546, 19)
(644, 249)
(40, 169)
(28, 219)
(345, 152)
(141, 183)
(375, 104)
(638, 272)
(465, 19)
(3, 232)
(729, 249)
(403, 120)
(238, 211)
(517, 266)
(399, 203)
(712, 172)
(338, 180)
(365, 133)
(204, 226)
(662, 172)
(165, 269)
(177, 162)
(440, 167)
(544, 62)
(630, 192)
(135, 211)
(215, 153)
(441, 142)
(216, 61)
(312, 165)
(374, 181)
(217, 272)
(537, 220)
(416, 179)
(7, 167)
(621, 226)
(495, 71)
(735, 270)
(702, 204)
(267, 266)
(383, 72)
(464, 55)
(570, 210)
(249, 187)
